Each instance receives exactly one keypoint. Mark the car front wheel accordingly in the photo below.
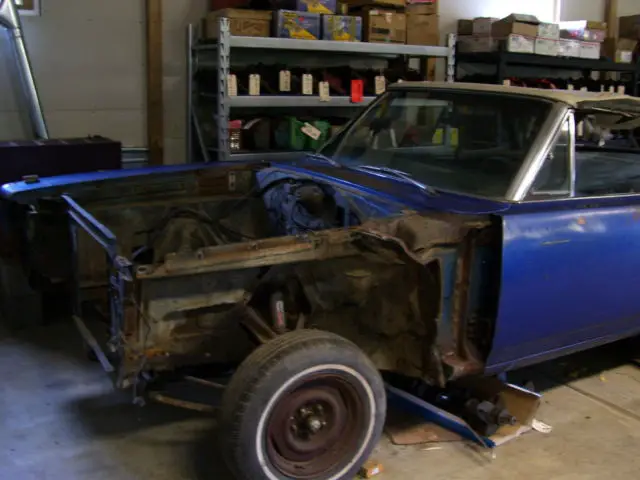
(306, 405)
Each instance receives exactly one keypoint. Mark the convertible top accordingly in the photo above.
(615, 103)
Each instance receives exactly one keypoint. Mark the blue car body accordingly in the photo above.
(567, 266)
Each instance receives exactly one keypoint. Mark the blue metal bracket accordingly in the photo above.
(433, 414)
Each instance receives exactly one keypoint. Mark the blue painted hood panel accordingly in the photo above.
(385, 188)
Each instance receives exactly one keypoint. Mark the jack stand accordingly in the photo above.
(433, 414)
(522, 403)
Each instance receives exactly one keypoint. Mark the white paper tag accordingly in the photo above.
(580, 129)
(307, 84)
(400, 80)
(254, 84)
(506, 83)
(621, 89)
(285, 81)
(612, 89)
(381, 84)
(570, 87)
(602, 88)
(584, 89)
(311, 131)
(541, 427)
(232, 85)
(323, 91)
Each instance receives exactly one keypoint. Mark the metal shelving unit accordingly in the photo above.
(289, 101)
(225, 47)
(504, 60)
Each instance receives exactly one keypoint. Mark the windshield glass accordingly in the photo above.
(467, 142)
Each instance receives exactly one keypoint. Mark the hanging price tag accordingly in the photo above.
(380, 84)
(506, 83)
(357, 91)
(285, 81)
(307, 84)
(232, 85)
(570, 87)
(621, 89)
(311, 131)
(323, 91)
(580, 129)
(612, 89)
(584, 89)
(602, 88)
(254, 84)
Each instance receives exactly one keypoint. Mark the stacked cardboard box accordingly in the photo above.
(383, 21)
(414, 22)
(423, 23)
(625, 48)
(516, 33)
(583, 37)
(303, 19)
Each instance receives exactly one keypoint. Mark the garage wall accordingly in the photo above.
(88, 59)
(594, 9)
(177, 16)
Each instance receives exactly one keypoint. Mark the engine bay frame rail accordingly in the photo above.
(88, 223)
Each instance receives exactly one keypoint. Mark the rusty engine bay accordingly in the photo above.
(211, 264)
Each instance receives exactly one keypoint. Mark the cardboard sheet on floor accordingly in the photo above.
(521, 403)
(409, 429)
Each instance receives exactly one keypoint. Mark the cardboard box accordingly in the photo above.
(422, 7)
(483, 43)
(477, 43)
(526, 25)
(619, 50)
(465, 27)
(299, 25)
(343, 28)
(568, 48)
(590, 50)
(629, 27)
(316, 6)
(546, 46)
(247, 23)
(383, 26)
(482, 25)
(518, 44)
(423, 29)
(584, 30)
(549, 30)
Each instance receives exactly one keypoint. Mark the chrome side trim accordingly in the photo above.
(572, 153)
(537, 154)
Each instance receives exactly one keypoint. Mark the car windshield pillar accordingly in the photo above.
(544, 142)
(555, 176)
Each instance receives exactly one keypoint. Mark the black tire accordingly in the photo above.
(280, 416)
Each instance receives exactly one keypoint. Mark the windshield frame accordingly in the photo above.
(531, 163)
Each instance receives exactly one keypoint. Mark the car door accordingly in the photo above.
(570, 266)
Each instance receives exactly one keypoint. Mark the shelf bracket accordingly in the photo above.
(222, 120)
(452, 39)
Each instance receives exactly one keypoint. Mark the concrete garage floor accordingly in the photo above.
(60, 419)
